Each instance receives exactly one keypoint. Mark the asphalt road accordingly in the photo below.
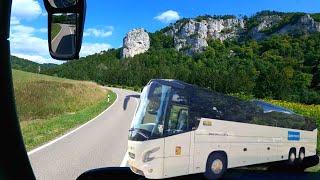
(100, 143)
(63, 43)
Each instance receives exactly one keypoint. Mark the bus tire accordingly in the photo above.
(300, 167)
(301, 156)
(216, 166)
(292, 156)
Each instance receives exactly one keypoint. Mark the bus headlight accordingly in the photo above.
(146, 156)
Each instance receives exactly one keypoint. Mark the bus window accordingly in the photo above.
(178, 120)
(182, 120)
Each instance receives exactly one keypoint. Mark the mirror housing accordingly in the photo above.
(66, 20)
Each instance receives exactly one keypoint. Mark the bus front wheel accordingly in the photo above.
(216, 166)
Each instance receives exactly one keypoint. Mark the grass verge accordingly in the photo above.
(37, 132)
(313, 169)
(135, 88)
(43, 97)
(55, 29)
(48, 106)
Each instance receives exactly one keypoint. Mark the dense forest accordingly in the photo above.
(281, 67)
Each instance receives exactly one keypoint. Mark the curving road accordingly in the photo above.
(63, 43)
(100, 143)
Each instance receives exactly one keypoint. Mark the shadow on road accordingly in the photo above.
(238, 174)
(255, 172)
(65, 46)
(232, 174)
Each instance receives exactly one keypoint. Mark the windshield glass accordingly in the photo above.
(148, 122)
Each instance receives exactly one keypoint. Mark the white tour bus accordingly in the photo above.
(181, 129)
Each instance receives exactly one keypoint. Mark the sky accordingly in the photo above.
(108, 21)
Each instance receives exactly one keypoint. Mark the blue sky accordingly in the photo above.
(108, 21)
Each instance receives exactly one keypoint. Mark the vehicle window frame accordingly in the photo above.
(167, 115)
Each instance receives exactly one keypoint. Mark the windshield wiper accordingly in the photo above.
(142, 134)
(138, 130)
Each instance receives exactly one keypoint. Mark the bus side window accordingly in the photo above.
(178, 121)
(182, 124)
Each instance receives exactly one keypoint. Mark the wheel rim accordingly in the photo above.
(217, 166)
(292, 157)
(301, 156)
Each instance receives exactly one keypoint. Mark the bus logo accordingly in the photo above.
(207, 123)
(293, 136)
(178, 150)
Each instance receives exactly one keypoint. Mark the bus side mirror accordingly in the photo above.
(65, 27)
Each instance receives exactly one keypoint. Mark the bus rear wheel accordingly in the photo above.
(216, 166)
(292, 156)
(300, 167)
(301, 155)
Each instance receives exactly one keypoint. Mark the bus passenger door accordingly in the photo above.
(177, 143)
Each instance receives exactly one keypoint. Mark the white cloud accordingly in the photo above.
(98, 32)
(168, 16)
(91, 48)
(111, 28)
(43, 30)
(25, 9)
(14, 20)
(21, 30)
(25, 44)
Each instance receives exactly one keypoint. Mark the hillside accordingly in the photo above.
(26, 65)
(42, 97)
(191, 34)
(282, 66)
(49, 106)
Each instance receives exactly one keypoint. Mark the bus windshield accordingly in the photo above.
(148, 121)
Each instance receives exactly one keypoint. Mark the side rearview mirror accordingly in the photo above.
(65, 27)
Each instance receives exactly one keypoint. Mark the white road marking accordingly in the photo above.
(57, 34)
(72, 38)
(70, 30)
(125, 160)
(126, 156)
(53, 141)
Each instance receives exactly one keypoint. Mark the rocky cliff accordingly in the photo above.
(136, 41)
(192, 35)
(305, 23)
